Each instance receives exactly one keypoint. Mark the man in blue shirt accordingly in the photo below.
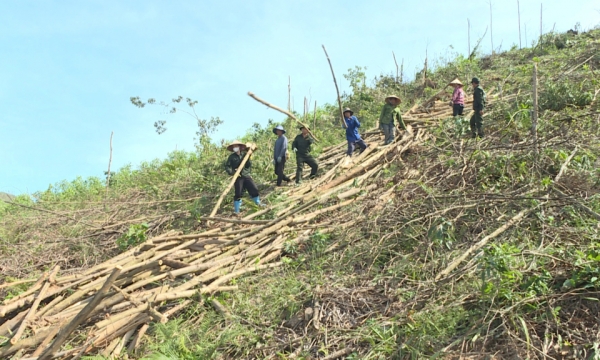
(280, 154)
(352, 135)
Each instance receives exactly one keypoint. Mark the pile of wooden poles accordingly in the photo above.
(109, 307)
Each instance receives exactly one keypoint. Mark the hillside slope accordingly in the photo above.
(466, 248)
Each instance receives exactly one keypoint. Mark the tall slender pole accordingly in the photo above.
(289, 94)
(541, 8)
(109, 161)
(395, 62)
(519, 17)
(491, 31)
(401, 71)
(315, 117)
(534, 117)
(469, 37)
(336, 88)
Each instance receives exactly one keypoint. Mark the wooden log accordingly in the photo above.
(32, 310)
(7, 327)
(53, 331)
(220, 308)
(29, 292)
(174, 264)
(117, 351)
(82, 316)
(226, 278)
(514, 220)
(137, 340)
(233, 221)
(27, 343)
(284, 112)
(125, 314)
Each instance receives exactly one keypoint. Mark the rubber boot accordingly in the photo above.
(237, 204)
(257, 201)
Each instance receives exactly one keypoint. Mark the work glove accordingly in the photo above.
(295, 150)
(278, 159)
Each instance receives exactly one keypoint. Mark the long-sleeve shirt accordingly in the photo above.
(281, 146)
(233, 162)
(352, 124)
(458, 96)
(302, 144)
(478, 99)
(389, 113)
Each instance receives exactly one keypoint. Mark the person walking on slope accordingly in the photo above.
(301, 146)
(280, 154)
(458, 98)
(352, 135)
(478, 107)
(389, 114)
(244, 180)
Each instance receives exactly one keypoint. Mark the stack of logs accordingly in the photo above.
(109, 307)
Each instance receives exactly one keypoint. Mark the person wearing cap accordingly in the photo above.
(478, 107)
(352, 135)
(244, 180)
(301, 146)
(389, 114)
(280, 154)
(458, 97)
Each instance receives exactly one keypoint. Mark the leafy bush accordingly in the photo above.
(558, 95)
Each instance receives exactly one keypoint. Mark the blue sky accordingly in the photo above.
(68, 67)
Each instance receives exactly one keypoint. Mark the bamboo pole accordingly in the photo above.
(79, 318)
(282, 111)
(336, 89)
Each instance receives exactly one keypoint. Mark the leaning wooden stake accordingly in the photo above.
(81, 317)
(235, 176)
(336, 88)
(251, 94)
(454, 264)
(534, 117)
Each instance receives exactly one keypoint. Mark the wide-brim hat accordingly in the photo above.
(303, 127)
(278, 127)
(475, 80)
(393, 97)
(456, 82)
(348, 110)
(236, 143)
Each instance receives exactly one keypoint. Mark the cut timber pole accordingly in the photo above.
(251, 94)
(109, 161)
(336, 88)
(395, 62)
(534, 115)
(454, 264)
(519, 18)
(235, 176)
(315, 117)
(81, 317)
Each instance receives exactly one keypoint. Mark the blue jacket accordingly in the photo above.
(352, 129)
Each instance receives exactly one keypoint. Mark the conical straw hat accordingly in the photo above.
(393, 97)
(456, 82)
(236, 143)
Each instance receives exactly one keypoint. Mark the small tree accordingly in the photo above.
(205, 127)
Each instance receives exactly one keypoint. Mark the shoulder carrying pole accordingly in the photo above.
(251, 94)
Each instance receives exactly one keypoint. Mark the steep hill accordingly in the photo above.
(437, 246)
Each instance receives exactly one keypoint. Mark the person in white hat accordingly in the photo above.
(280, 154)
(244, 180)
(458, 98)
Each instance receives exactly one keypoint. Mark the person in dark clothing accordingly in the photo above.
(478, 107)
(280, 154)
(301, 147)
(352, 135)
(244, 180)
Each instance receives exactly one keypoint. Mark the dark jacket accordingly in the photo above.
(302, 144)
(233, 162)
(478, 99)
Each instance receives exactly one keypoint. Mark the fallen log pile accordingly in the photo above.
(109, 307)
